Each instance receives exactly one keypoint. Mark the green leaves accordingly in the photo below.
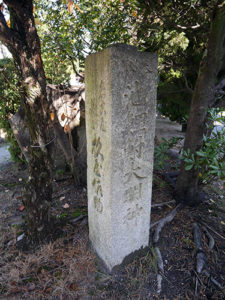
(188, 167)
(70, 30)
(9, 102)
(161, 152)
(210, 159)
(188, 158)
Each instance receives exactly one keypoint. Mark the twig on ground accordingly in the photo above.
(75, 220)
(157, 205)
(64, 178)
(196, 286)
(164, 221)
(214, 281)
(221, 236)
(199, 279)
(155, 223)
(211, 239)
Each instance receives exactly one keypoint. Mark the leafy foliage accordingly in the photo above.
(69, 31)
(161, 152)
(178, 31)
(10, 102)
(210, 159)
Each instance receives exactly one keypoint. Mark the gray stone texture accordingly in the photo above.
(120, 124)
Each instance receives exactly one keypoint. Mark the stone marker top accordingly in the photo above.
(120, 119)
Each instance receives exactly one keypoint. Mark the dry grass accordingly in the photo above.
(58, 270)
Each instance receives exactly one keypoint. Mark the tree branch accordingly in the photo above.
(72, 62)
(189, 27)
(15, 4)
(3, 28)
(8, 36)
(187, 86)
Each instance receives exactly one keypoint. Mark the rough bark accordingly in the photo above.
(187, 184)
(23, 42)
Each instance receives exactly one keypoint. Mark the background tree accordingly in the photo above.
(22, 41)
(204, 96)
(178, 31)
(70, 30)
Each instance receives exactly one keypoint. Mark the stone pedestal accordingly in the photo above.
(120, 123)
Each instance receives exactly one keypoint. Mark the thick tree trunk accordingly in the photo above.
(23, 42)
(204, 93)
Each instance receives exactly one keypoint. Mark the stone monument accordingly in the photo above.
(120, 124)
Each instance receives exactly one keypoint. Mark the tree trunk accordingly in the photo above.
(187, 183)
(23, 42)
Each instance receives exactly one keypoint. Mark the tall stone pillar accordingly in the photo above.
(120, 123)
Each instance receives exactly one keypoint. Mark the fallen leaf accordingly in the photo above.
(52, 115)
(20, 237)
(62, 198)
(222, 222)
(37, 21)
(22, 207)
(66, 205)
(48, 290)
(63, 117)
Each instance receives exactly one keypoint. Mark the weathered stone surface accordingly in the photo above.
(120, 123)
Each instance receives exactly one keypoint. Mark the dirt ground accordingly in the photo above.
(67, 268)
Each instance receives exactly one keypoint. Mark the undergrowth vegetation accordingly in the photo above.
(9, 104)
(209, 159)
